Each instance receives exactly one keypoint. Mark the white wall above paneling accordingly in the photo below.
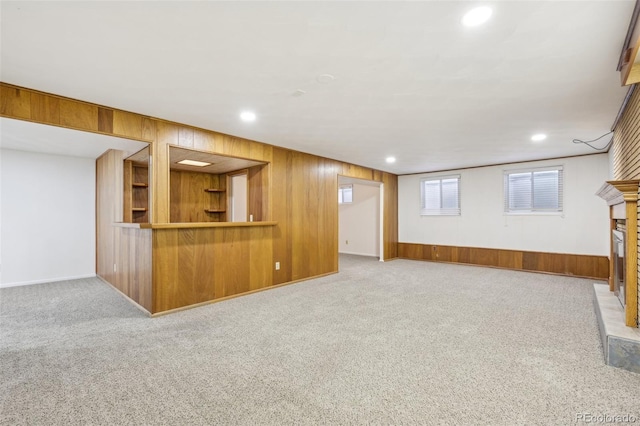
(581, 229)
(47, 217)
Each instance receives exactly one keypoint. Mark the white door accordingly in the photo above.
(238, 198)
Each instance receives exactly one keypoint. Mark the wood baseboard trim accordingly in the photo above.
(573, 265)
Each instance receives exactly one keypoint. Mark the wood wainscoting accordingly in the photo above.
(578, 265)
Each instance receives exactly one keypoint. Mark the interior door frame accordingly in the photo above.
(229, 193)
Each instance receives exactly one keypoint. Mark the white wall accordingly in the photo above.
(359, 222)
(582, 229)
(47, 217)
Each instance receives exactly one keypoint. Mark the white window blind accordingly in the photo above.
(345, 194)
(440, 196)
(533, 190)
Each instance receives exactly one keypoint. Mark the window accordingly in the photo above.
(533, 190)
(345, 194)
(440, 196)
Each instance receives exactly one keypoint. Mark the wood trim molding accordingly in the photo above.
(616, 192)
(576, 265)
(631, 264)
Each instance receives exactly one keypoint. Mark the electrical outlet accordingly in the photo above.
(115, 269)
(277, 266)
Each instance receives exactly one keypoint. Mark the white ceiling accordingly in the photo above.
(410, 80)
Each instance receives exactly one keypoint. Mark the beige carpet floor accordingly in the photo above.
(401, 342)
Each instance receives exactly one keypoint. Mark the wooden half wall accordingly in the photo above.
(123, 254)
(596, 267)
(300, 196)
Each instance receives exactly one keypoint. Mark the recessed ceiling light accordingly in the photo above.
(194, 163)
(538, 137)
(391, 159)
(477, 16)
(325, 78)
(248, 116)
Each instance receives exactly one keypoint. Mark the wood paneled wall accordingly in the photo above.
(31, 105)
(189, 199)
(197, 265)
(626, 158)
(596, 267)
(124, 254)
(258, 187)
(299, 192)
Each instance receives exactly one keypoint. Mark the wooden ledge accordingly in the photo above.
(127, 225)
(204, 225)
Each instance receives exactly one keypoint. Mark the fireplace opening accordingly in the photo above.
(619, 263)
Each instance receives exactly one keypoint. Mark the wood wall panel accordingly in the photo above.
(205, 141)
(78, 115)
(259, 194)
(45, 109)
(15, 102)
(414, 251)
(105, 120)
(390, 225)
(509, 259)
(596, 267)
(106, 192)
(127, 124)
(188, 199)
(281, 174)
(261, 258)
(123, 255)
(197, 265)
(166, 134)
(186, 137)
(134, 276)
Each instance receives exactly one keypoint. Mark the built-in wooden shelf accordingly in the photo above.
(139, 185)
(193, 225)
(214, 210)
(215, 190)
(139, 209)
(184, 225)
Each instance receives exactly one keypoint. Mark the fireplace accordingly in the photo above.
(622, 198)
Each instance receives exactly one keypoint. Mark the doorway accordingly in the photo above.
(238, 195)
(360, 217)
